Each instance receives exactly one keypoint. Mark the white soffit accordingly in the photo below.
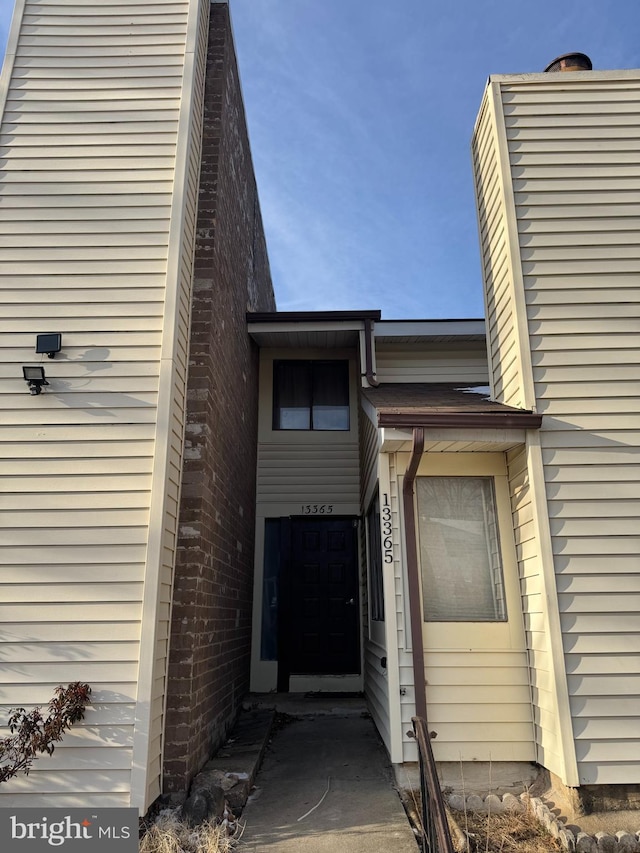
(454, 440)
(306, 335)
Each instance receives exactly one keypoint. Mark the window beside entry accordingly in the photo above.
(462, 578)
(270, 590)
(374, 547)
(310, 395)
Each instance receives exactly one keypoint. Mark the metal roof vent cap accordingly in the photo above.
(570, 62)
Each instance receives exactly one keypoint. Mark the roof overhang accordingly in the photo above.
(308, 329)
(451, 440)
(317, 317)
(440, 420)
(454, 417)
(341, 329)
(422, 331)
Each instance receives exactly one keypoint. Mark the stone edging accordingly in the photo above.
(601, 842)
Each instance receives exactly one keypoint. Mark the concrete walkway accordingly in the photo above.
(326, 787)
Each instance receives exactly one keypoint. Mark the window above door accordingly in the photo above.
(310, 394)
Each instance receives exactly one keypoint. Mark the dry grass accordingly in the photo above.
(170, 835)
(507, 832)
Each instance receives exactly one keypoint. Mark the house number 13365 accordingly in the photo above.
(385, 517)
(317, 509)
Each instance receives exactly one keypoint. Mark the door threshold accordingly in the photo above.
(326, 684)
(313, 705)
(333, 694)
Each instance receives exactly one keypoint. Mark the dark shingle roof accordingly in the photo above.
(444, 404)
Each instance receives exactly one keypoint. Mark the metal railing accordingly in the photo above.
(436, 837)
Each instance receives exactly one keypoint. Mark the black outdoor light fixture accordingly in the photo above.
(49, 344)
(34, 377)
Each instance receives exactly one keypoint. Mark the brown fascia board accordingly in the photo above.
(493, 420)
(310, 316)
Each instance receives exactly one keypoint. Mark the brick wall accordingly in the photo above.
(211, 620)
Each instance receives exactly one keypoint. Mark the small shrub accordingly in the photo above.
(33, 734)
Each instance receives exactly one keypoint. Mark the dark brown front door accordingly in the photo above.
(323, 624)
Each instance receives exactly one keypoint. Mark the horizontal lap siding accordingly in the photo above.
(479, 703)
(397, 465)
(477, 686)
(545, 717)
(309, 471)
(407, 705)
(375, 679)
(377, 689)
(504, 363)
(300, 467)
(402, 363)
(479, 699)
(402, 615)
(369, 449)
(575, 159)
(88, 141)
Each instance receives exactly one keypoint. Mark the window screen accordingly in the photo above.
(311, 395)
(460, 550)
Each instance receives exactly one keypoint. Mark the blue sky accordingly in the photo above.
(360, 114)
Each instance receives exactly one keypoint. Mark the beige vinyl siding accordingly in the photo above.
(502, 344)
(397, 465)
(532, 589)
(94, 245)
(395, 499)
(376, 688)
(581, 272)
(477, 680)
(299, 467)
(393, 636)
(308, 471)
(407, 705)
(370, 442)
(574, 153)
(462, 362)
(470, 725)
